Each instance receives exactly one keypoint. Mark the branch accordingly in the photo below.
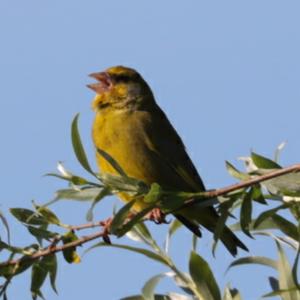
(244, 184)
(204, 195)
(53, 249)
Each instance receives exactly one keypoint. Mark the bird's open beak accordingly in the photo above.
(104, 82)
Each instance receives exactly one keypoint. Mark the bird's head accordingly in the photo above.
(119, 87)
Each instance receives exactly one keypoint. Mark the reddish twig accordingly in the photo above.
(244, 184)
(53, 248)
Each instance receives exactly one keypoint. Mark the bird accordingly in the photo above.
(132, 129)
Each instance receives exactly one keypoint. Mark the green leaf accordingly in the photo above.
(133, 221)
(76, 180)
(87, 194)
(124, 184)
(121, 216)
(48, 215)
(101, 195)
(246, 213)
(70, 254)
(224, 211)
(77, 146)
(287, 185)
(295, 268)
(235, 172)
(149, 287)
(38, 276)
(286, 280)
(286, 227)
(28, 216)
(10, 270)
(50, 262)
(267, 214)
(140, 233)
(26, 251)
(154, 193)
(203, 277)
(150, 254)
(41, 233)
(262, 162)
(172, 202)
(257, 194)
(184, 281)
(112, 162)
(258, 260)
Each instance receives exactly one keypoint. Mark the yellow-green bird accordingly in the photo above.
(132, 129)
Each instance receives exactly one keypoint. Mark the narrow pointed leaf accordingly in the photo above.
(263, 162)
(149, 287)
(48, 215)
(203, 277)
(295, 268)
(133, 221)
(258, 260)
(41, 233)
(246, 213)
(78, 148)
(234, 172)
(50, 262)
(112, 162)
(38, 276)
(267, 214)
(154, 193)
(87, 194)
(121, 216)
(150, 254)
(140, 233)
(224, 214)
(285, 275)
(286, 227)
(28, 216)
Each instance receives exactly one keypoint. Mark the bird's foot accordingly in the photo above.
(106, 230)
(157, 216)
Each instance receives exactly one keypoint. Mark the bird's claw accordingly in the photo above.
(157, 216)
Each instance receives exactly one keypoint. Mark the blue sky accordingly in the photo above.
(226, 73)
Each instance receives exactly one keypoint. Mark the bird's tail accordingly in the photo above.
(192, 217)
(231, 241)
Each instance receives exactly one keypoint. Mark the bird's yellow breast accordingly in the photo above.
(120, 133)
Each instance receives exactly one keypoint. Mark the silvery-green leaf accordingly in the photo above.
(78, 148)
(262, 162)
(203, 277)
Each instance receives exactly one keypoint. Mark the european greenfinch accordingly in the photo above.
(135, 132)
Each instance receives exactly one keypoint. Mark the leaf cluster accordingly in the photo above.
(278, 199)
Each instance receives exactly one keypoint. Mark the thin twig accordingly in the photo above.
(86, 226)
(204, 195)
(51, 250)
(244, 184)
